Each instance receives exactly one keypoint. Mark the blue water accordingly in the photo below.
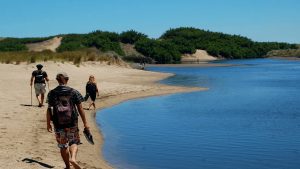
(248, 119)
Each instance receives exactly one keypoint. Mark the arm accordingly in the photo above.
(48, 116)
(97, 90)
(31, 80)
(45, 75)
(82, 115)
(86, 88)
(32, 77)
(47, 80)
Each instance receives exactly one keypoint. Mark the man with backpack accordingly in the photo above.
(39, 77)
(64, 107)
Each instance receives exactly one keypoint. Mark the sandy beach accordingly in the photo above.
(25, 142)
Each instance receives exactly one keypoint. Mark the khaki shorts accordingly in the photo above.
(40, 88)
(66, 137)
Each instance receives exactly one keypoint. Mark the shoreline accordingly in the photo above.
(200, 64)
(285, 58)
(109, 101)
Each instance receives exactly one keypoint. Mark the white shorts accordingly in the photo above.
(40, 88)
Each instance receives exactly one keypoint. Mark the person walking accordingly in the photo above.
(39, 76)
(64, 105)
(91, 91)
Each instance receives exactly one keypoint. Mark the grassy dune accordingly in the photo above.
(284, 53)
(69, 56)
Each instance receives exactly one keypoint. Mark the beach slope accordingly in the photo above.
(25, 142)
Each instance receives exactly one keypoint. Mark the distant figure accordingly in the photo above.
(142, 63)
(39, 77)
(64, 104)
(91, 91)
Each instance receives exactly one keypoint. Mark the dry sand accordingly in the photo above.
(50, 44)
(25, 142)
(197, 57)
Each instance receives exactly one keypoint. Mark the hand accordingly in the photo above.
(49, 128)
(86, 127)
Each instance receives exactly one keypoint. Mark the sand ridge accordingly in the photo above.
(197, 57)
(50, 44)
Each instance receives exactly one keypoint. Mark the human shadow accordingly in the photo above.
(27, 160)
(29, 105)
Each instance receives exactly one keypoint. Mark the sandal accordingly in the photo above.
(88, 136)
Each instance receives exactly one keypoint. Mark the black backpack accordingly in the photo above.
(39, 77)
(64, 111)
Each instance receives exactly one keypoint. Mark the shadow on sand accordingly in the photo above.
(30, 105)
(27, 160)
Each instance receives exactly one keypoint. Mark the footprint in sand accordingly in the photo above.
(3, 128)
(37, 158)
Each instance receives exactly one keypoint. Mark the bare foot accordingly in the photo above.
(75, 164)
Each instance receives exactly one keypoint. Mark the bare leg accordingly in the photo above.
(64, 152)
(94, 105)
(73, 152)
(37, 97)
(90, 106)
(42, 98)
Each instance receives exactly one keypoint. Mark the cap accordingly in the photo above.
(39, 66)
(63, 74)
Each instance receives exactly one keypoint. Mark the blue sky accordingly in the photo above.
(260, 20)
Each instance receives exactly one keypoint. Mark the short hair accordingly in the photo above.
(39, 66)
(62, 77)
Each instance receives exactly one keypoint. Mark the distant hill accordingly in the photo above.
(220, 44)
(136, 46)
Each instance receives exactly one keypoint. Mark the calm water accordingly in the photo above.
(249, 119)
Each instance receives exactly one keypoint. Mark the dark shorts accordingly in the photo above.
(66, 137)
(93, 96)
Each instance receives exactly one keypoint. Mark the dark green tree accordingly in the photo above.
(131, 36)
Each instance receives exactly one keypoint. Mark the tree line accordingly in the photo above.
(166, 49)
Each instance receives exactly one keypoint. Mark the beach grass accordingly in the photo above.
(76, 57)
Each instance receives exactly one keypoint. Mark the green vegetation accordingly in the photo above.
(18, 44)
(220, 44)
(167, 49)
(161, 51)
(131, 36)
(104, 41)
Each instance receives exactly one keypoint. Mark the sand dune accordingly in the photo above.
(50, 44)
(26, 144)
(199, 56)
